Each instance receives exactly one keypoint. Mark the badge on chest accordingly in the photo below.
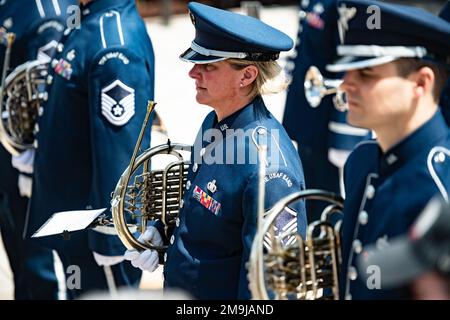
(206, 200)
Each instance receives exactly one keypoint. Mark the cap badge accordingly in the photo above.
(345, 15)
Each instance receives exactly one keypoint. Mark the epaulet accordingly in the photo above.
(262, 136)
(438, 159)
(111, 29)
(48, 10)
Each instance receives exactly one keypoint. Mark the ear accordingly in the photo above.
(424, 82)
(249, 75)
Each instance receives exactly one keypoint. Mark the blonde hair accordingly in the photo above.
(270, 78)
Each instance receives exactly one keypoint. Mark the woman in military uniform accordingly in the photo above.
(234, 58)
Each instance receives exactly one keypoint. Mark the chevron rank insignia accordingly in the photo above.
(118, 103)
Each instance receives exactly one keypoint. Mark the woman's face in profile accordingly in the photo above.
(216, 83)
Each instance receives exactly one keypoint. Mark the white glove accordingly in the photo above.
(107, 260)
(24, 161)
(146, 260)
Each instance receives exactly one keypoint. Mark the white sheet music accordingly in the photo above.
(67, 221)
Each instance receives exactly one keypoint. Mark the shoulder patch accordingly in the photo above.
(114, 55)
(52, 24)
(278, 175)
(117, 103)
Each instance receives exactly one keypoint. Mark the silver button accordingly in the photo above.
(202, 152)
(439, 157)
(67, 31)
(261, 131)
(294, 54)
(188, 185)
(177, 222)
(181, 203)
(357, 246)
(60, 47)
(194, 167)
(363, 217)
(370, 191)
(172, 239)
(35, 144)
(49, 79)
(348, 296)
(302, 14)
(352, 273)
(165, 257)
(43, 96)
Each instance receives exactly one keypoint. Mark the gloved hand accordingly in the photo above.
(107, 260)
(146, 260)
(24, 161)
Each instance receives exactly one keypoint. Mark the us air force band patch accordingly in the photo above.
(118, 103)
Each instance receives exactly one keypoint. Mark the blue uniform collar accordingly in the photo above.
(100, 5)
(255, 110)
(420, 140)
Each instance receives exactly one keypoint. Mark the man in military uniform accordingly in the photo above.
(100, 82)
(37, 26)
(325, 137)
(210, 246)
(394, 78)
(422, 255)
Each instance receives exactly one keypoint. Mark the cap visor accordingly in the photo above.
(192, 56)
(351, 63)
(397, 263)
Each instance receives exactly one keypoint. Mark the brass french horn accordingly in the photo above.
(144, 194)
(317, 87)
(303, 268)
(23, 96)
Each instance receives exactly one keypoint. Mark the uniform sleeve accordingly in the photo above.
(278, 185)
(120, 84)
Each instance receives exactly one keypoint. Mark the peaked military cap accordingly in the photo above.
(402, 32)
(221, 34)
(425, 248)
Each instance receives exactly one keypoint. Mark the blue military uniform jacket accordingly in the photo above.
(38, 25)
(37, 30)
(385, 193)
(101, 80)
(317, 130)
(211, 245)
